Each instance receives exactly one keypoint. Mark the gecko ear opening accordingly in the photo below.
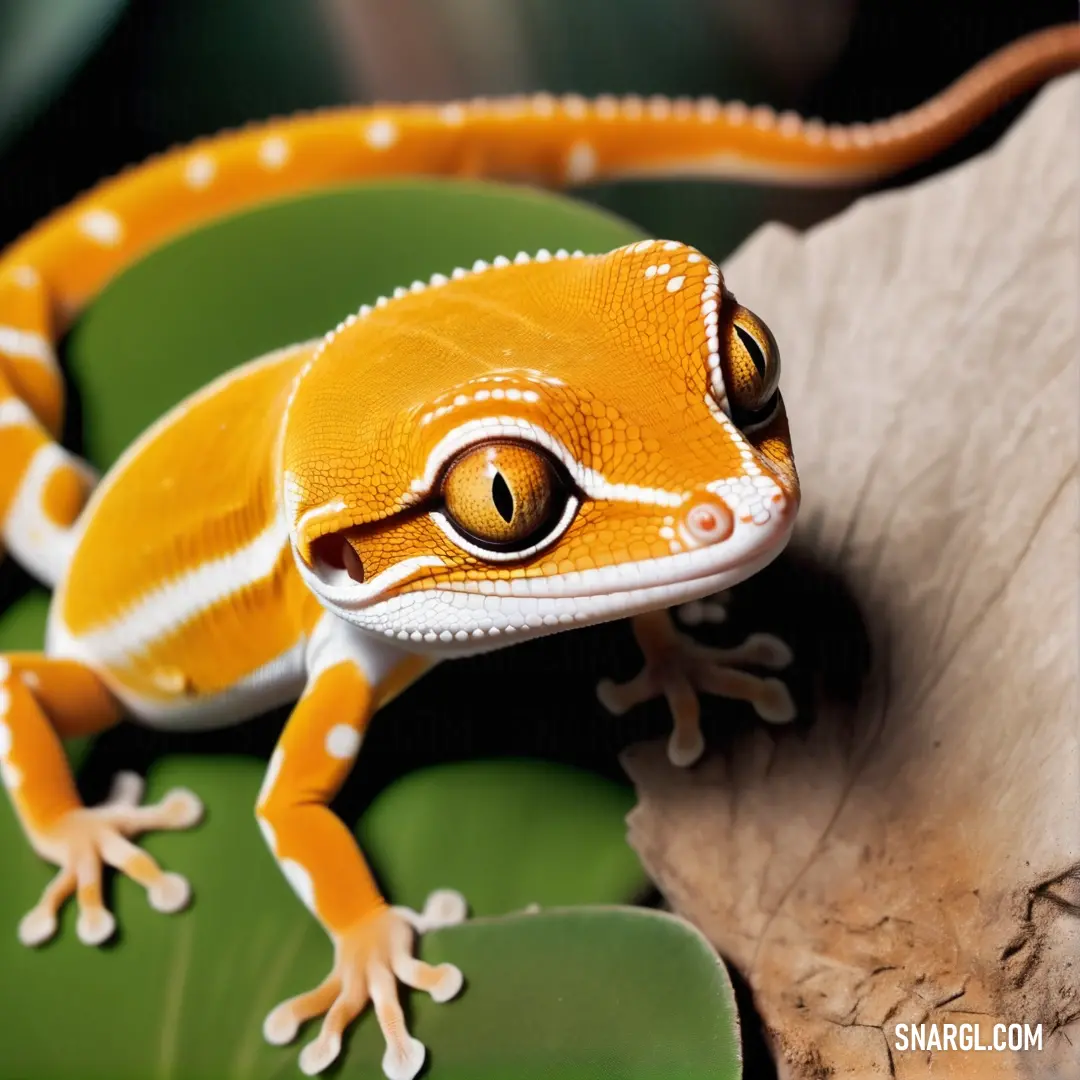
(333, 558)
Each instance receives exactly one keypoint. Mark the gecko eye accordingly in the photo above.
(502, 495)
(751, 368)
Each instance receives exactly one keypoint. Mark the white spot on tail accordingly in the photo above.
(581, 163)
(200, 170)
(453, 115)
(676, 283)
(274, 152)
(102, 226)
(5, 731)
(381, 134)
(11, 774)
(342, 742)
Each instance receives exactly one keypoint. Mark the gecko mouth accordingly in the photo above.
(461, 617)
(463, 623)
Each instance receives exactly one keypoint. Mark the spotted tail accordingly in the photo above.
(48, 275)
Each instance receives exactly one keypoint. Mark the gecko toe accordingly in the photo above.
(775, 704)
(320, 1054)
(37, 926)
(95, 926)
(685, 749)
(181, 809)
(404, 1060)
(169, 893)
(281, 1025)
(127, 789)
(443, 907)
(449, 985)
(767, 650)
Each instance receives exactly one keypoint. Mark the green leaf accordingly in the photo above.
(508, 834)
(614, 992)
(582, 993)
(22, 625)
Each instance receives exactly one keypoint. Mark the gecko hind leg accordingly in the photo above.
(42, 700)
(677, 667)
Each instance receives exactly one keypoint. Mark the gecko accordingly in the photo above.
(525, 446)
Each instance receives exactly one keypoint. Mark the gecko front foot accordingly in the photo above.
(678, 667)
(83, 841)
(369, 961)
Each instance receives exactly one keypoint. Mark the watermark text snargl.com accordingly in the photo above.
(967, 1037)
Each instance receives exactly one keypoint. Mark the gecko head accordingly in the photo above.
(538, 444)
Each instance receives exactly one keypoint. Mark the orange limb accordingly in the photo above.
(321, 860)
(43, 700)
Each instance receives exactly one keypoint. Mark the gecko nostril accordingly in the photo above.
(708, 522)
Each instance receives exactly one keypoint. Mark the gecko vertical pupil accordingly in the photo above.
(502, 498)
(753, 349)
(751, 368)
(501, 494)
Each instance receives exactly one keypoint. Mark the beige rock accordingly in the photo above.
(915, 857)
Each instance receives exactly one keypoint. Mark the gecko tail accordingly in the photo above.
(43, 487)
(714, 140)
(1000, 78)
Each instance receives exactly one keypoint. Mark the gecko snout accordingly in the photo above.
(706, 520)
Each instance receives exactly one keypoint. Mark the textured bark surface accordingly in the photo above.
(914, 856)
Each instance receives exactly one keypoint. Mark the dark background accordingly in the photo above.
(146, 75)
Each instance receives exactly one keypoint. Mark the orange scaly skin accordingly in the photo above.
(533, 445)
